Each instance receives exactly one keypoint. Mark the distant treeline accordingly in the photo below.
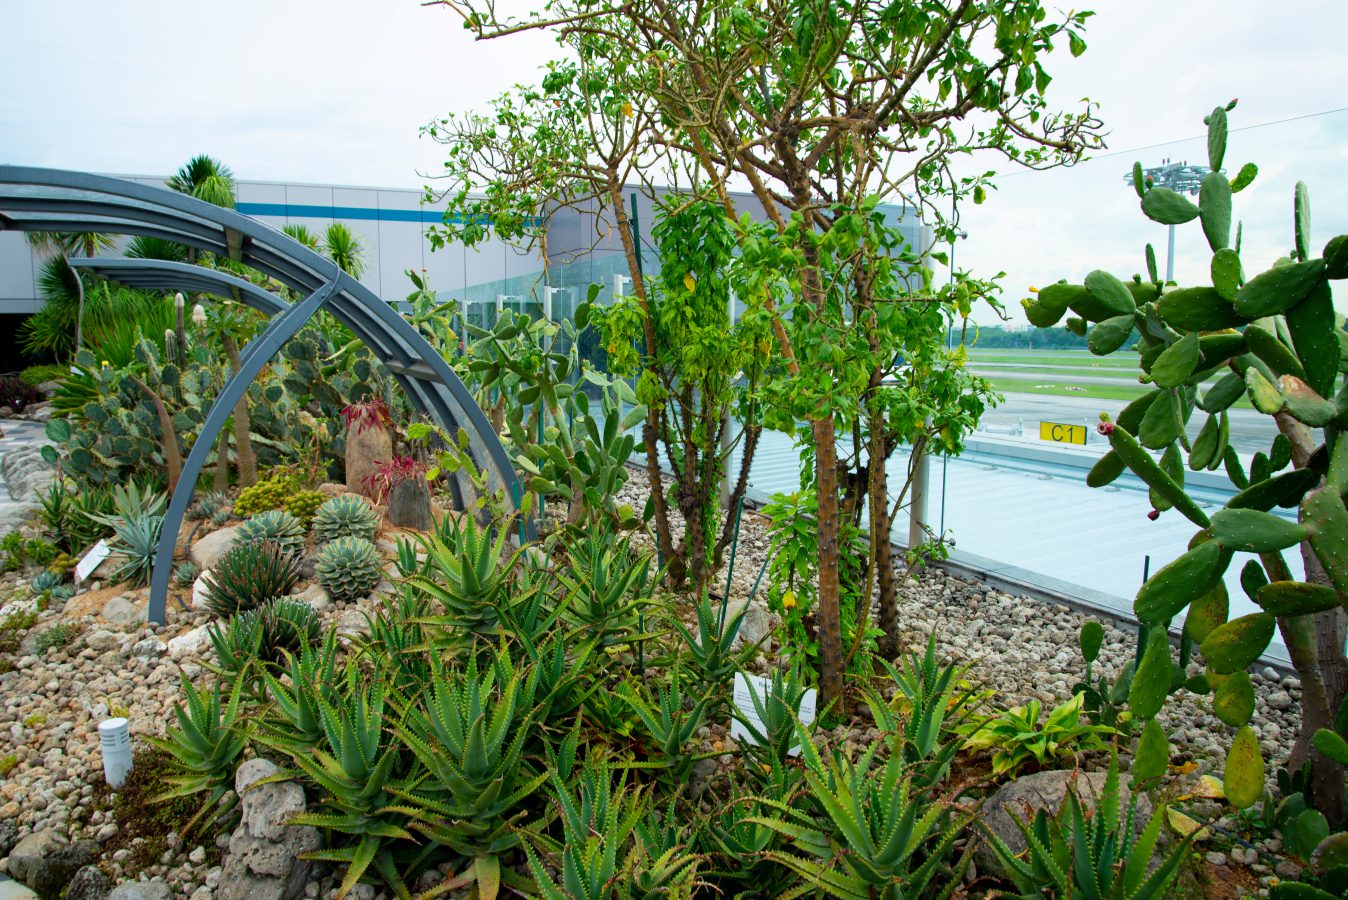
(995, 337)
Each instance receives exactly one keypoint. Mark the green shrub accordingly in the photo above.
(35, 375)
(7, 764)
(1017, 738)
(303, 504)
(269, 493)
(59, 635)
(345, 516)
(348, 568)
(277, 526)
(248, 575)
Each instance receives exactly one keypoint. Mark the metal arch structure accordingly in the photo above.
(36, 199)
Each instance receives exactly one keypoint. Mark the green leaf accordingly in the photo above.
(1233, 702)
(1092, 636)
(1253, 531)
(1178, 584)
(1279, 289)
(1238, 643)
(1243, 777)
(1151, 682)
(1244, 178)
(1214, 202)
(1167, 207)
(1296, 598)
(1207, 612)
(1110, 292)
(1153, 756)
(1174, 366)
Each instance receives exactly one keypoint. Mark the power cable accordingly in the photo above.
(1197, 137)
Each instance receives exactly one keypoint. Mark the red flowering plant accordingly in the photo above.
(367, 414)
(390, 473)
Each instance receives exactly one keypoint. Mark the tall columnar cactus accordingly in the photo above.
(1275, 338)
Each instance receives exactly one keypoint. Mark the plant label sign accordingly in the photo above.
(85, 567)
(746, 687)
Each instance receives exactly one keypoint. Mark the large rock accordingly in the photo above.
(89, 883)
(200, 598)
(190, 643)
(206, 551)
(262, 862)
(1028, 794)
(141, 890)
(757, 620)
(122, 611)
(9, 836)
(366, 449)
(46, 862)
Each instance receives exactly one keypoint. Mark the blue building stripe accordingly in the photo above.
(366, 213)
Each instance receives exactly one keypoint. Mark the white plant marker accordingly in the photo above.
(745, 687)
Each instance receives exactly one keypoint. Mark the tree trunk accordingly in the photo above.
(173, 460)
(888, 644)
(242, 425)
(221, 482)
(649, 428)
(830, 619)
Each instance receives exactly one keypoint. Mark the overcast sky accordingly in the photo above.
(335, 93)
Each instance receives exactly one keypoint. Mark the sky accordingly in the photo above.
(336, 93)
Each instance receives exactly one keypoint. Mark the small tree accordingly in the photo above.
(820, 107)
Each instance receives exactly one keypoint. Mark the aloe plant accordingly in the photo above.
(467, 574)
(866, 830)
(606, 584)
(355, 764)
(310, 675)
(206, 743)
(601, 856)
(712, 649)
(468, 733)
(1092, 854)
(670, 720)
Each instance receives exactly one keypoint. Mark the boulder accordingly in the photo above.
(1028, 794)
(315, 596)
(262, 861)
(46, 862)
(89, 883)
(409, 505)
(366, 449)
(199, 596)
(207, 550)
(757, 620)
(9, 835)
(122, 611)
(141, 890)
(190, 643)
(149, 648)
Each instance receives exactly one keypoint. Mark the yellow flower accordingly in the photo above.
(789, 600)
(105, 363)
(1033, 289)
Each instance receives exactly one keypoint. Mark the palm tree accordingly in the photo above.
(205, 178)
(70, 243)
(302, 234)
(345, 249)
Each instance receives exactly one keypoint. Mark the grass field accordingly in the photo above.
(1065, 373)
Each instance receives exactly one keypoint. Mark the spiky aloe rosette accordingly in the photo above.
(248, 575)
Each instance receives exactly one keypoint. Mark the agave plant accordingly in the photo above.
(137, 539)
(467, 576)
(237, 643)
(881, 836)
(1084, 853)
(348, 568)
(185, 572)
(248, 575)
(205, 746)
(346, 516)
(276, 526)
(467, 735)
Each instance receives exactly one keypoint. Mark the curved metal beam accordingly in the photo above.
(255, 356)
(34, 199)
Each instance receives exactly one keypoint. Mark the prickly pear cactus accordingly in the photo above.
(1275, 338)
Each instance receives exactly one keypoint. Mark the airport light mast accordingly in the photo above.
(1180, 177)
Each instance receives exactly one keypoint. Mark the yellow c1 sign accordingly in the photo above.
(1061, 433)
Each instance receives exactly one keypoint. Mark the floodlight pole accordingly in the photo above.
(1180, 177)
